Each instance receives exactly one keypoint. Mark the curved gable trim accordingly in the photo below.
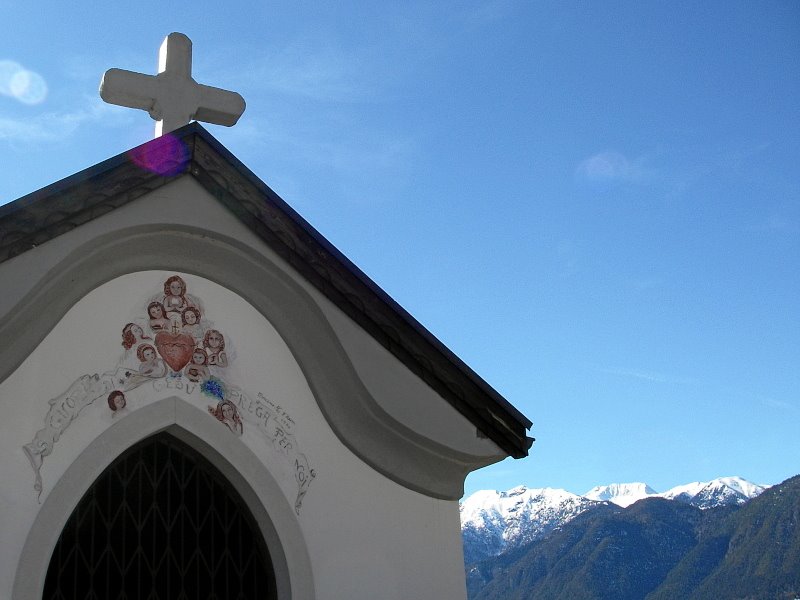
(388, 446)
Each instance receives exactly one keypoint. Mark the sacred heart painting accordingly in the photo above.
(172, 345)
(175, 348)
(173, 339)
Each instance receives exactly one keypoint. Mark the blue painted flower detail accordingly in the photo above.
(213, 387)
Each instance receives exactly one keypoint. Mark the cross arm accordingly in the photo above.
(218, 106)
(126, 88)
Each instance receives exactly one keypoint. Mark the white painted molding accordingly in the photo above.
(390, 447)
(245, 472)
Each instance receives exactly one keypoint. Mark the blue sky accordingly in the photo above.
(595, 205)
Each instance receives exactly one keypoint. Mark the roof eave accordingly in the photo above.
(67, 204)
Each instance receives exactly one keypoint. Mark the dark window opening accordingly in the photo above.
(160, 523)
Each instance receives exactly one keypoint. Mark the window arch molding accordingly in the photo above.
(246, 473)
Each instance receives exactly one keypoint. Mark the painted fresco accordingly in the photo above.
(173, 346)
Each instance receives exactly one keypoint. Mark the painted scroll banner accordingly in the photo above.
(273, 421)
(65, 408)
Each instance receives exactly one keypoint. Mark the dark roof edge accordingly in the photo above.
(295, 240)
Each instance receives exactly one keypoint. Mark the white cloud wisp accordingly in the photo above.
(612, 166)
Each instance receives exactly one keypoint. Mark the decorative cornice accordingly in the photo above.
(65, 205)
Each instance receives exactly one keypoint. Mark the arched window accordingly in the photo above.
(160, 523)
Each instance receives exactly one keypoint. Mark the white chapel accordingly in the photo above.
(201, 397)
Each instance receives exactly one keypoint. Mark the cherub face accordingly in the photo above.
(214, 340)
(227, 411)
(156, 312)
(119, 401)
(149, 354)
(191, 318)
(137, 331)
(175, 288)
(198, 358)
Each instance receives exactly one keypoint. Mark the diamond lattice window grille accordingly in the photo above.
(160, 523)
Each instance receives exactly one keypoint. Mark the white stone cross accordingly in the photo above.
(172, 97)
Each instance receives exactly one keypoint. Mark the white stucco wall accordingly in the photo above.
(185, 202)
(366, 536)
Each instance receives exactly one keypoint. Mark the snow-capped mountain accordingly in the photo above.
(621, 494)
(702, 494)
(494, 522)
(717, 492)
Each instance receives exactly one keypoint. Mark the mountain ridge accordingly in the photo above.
(658, 549)
(621, 494)
(493, 522)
